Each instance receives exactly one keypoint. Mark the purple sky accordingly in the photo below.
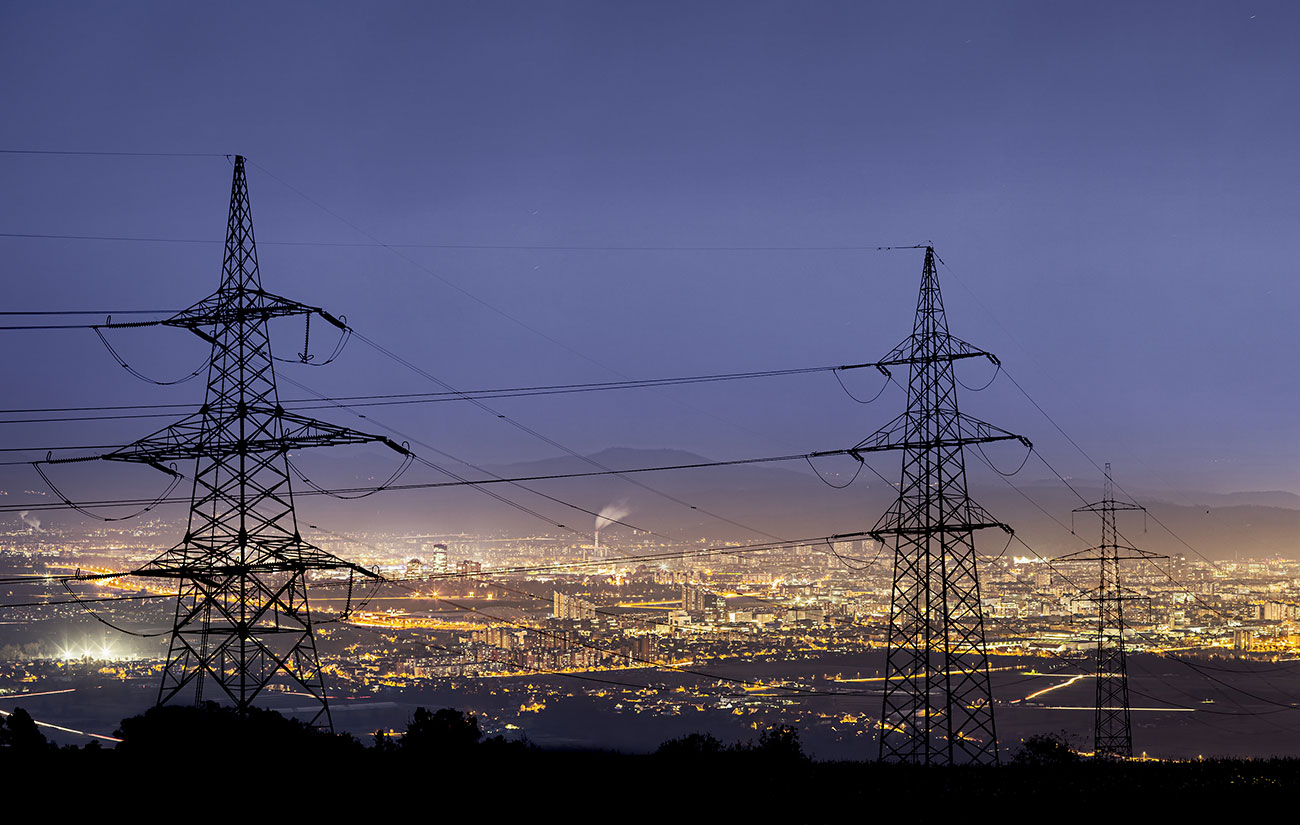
(1113, 187)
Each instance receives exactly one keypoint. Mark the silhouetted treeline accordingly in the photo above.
(770, 775)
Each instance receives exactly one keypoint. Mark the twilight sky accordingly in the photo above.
(1112, 187)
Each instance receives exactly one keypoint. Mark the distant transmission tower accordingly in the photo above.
(938, 707)
(1112, 731)
(242, 620)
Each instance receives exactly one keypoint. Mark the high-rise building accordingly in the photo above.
(571, 608)
(701, 603)
(437, 557)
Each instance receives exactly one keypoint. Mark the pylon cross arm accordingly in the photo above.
(880, 533)
(244, 306)
(1103, 506)
(947, 347)
(177, 563)
(966, 430)
(302, 431)
(181, 441)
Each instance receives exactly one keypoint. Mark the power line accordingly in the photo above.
(552, 442)
(115, 154)
(472, 296)
(395, 399)
(104, 312)
(375, 244)
(28, 327)
(56, 602)
(600, 467)
(459, 482)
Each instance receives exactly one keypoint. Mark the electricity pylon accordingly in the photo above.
(938, 707)
(243, 621)
(1112, 729)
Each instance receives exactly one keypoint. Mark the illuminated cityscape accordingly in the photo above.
(725, 637)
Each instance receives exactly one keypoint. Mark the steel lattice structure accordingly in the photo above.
(938, 705)
(243, 620)
(1112, 729)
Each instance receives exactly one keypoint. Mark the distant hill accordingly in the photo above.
(742, 502)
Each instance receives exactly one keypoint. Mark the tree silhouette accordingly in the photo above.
(20, 734)
(445, 731)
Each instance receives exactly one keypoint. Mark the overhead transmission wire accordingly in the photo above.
(115, 154)
(176, 479)
(392, 399)
(460, 479)
(456, 482)
(104, 312)
(512, 318)
(459, 395)
(612, 521)
(94, 614)
(529, 489)
(557, 445)
(16, 327)
(376, 244)
(81, 601)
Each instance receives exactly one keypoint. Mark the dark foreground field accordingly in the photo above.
(443, 761)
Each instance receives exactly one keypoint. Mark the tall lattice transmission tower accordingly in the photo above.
(938, 705)
(1112, 730)
(243, 620)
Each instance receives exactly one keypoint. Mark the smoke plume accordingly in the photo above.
(611, 513)
(33, 522)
